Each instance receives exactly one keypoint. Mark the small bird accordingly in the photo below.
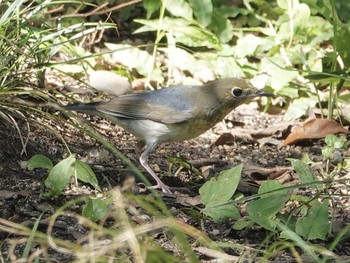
(172, 114)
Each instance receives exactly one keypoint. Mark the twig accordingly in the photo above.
(97, 11)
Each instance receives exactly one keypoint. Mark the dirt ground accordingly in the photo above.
(21, 190)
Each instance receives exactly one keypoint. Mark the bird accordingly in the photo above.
(171, 114)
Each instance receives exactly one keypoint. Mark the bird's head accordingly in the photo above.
(234, 91)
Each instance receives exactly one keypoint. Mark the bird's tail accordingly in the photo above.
(82, 107)
(91, 109)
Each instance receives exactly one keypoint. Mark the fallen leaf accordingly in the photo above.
(314, 129)
(225, 138)
(187, 200)
(269, 135)
(7, 194)
(217, 255)
(260, 174)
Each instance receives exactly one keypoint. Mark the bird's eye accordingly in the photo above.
(236, 92)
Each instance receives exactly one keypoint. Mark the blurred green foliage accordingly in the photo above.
(293, 48)
(296, 49)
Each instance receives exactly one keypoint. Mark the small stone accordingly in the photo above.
(215, 232)
(109, 82)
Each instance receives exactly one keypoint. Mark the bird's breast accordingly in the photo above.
(148, 130)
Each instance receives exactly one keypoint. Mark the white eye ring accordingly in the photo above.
(236, 92)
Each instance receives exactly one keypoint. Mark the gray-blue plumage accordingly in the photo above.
(172, 114)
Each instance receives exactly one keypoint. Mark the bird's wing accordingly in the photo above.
(166, 106)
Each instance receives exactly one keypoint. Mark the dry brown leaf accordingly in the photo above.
(187, 200)
(314, 129)
(260, 174)
(225, 138)
(270, 134)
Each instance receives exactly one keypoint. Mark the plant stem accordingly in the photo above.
(331, 101)
(160, 35)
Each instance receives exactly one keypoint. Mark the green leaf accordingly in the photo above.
(60, 175)
(220, 190)
(325, 77)
(95, 209)
(342, 43)
(344, 98)
(340, 143)
(219, 213)
(263, 211)
(216, 193)
(181, 59)
(242, 223)
(330, 140)
(203, 10)
(222, 27)
(151, 6)
(85, 174)
(247, 45)
(180, 8)
(335, 142)
(342, 7)
(182, 30)
(167, 24)
(327, 153)
(286, 4)
(232, 11)
(299, 107)
(304, 172)
(315, 225)
(289, 234)
(287, 219)
(271, 188)
(40, 161)
(194, 36)
(297, 16)
(226, 66)
(281, 77)
(135, 58)
(290, 92)
(301, 15)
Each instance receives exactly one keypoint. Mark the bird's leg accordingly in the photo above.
(144, 162)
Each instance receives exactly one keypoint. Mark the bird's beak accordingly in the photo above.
(262, 93)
